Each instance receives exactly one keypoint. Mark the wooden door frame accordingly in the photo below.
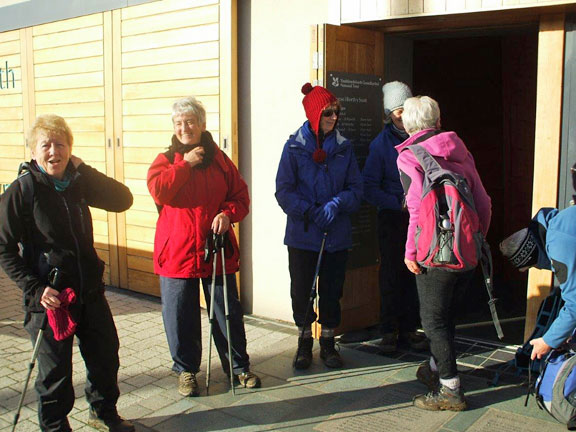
(547, 142)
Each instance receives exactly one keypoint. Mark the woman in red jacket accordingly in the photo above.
(197, 189)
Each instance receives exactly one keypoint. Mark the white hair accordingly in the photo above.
(189, 105)
(420, 112)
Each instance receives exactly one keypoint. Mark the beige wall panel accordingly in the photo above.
(157, 140)
(88, 34)
(9, 48)
(140, 263)
(12, 139)
(164, 106)
(161, 7)
(88, 109)
(10, 36)
(14, 152)
(197, 86)
(492, 4)
(134, 155)
(11, 125)
(14, 113)
(147, 283)
(434, 6)
(13, 91)
(100, 228)
(69, 24)
(75, 81)
(8, 176)
(13, 61)
(143, 202)
(183, 36)
(12, 100)
(144, 123)
(100, 241)
(414, 6)
(100, 166)
(91, 124)
(473, 4)
(399, 7)
(139, 171)
(174, 71)
(90, 64)
(141, 234)
(197, 51)
(171, 20)
(89, 49)
(142, 218)
(99, 214)
(143, 249)
(88, 139)
(137, 186)
(91, 155)
(104, 255)
(455, 5)
(92, 94)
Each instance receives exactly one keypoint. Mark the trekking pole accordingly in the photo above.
(312, 295)
(30, 368)
(54, 279)
(227, 313)
(214, 252)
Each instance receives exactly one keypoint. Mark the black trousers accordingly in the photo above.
(441, 295)
(98, 342)
(181, 316)
(302, 265)
(398, 294)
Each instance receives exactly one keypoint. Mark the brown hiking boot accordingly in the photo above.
(303, 356)
(329, 354)
(427, 376)
(389, 342)
(415, 340)
(249, 380)
(443, 399)
(110, 422)
(187, 384)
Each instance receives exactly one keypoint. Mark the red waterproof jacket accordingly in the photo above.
(190, 199)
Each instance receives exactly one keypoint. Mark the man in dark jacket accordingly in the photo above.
(399, 317)
(53, 222)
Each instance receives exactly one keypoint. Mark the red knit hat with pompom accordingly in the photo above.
(316, 99)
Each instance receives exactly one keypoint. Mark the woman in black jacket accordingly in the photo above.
(46, 211)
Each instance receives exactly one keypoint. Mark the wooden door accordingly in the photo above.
(352, 50)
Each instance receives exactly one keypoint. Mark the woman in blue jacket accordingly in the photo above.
(318, 186)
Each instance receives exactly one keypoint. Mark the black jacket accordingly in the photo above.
(60, 232)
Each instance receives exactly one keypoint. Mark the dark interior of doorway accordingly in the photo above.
(485, 84)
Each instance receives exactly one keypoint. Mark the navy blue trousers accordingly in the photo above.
(181, 315)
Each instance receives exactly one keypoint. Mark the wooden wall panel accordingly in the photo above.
(12, 107)
(167, 50)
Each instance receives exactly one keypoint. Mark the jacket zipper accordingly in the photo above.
(80, 273)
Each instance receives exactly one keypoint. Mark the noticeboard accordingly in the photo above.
(360, 121)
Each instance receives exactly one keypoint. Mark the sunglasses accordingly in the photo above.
(330, 112)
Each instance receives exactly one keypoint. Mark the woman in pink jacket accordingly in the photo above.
(439, 291)
(197, 190)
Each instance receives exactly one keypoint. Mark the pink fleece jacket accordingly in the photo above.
(451, 153)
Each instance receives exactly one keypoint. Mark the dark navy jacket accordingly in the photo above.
(382, 187)
(303, 185)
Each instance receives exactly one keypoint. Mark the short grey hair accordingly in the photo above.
(189, 104)
(420, 112)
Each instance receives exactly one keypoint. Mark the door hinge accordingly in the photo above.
(317, 60)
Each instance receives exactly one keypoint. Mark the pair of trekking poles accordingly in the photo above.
(216, 243)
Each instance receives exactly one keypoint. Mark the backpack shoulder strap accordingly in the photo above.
(27, 188)
(426, 160)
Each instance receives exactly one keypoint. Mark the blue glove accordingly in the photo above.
(324, 216)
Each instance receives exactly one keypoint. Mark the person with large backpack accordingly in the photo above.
(441, 253)
(46, 212)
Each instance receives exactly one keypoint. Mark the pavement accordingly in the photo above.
(373, 392)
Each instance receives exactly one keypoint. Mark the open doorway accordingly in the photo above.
(485, 84)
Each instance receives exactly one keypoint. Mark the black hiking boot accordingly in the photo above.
(328, 353)
(443, 399)
(303, 357)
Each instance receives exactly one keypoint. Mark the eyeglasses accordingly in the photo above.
(329, 112)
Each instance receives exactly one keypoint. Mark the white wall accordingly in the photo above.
(274, 63)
